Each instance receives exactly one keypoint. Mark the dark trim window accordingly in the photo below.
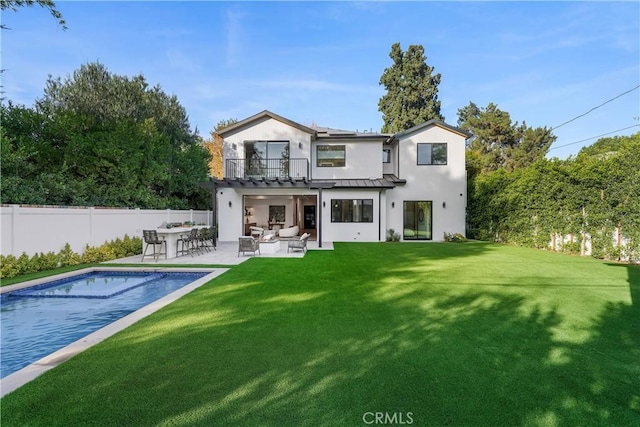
(351, 210)
(267, 158)
(418, 220)
(432, 153)
(330, 155)
(386, 155)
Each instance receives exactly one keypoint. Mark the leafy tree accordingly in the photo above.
(103, 139)
(499, 143)
(48, 4)
(558, 203)
(215, 147)
(411, 90)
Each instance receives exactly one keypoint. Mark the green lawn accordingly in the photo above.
(454, 334)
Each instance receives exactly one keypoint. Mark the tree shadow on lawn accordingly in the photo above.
(633, 273)
(302, 347)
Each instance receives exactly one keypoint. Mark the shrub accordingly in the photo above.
(67, 257)
(23, 264)
(392, 236)
(48, 261)
(8, 266)
(93, 255)
(455, 237)
(133, 245)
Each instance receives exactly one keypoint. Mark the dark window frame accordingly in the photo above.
(415, 233)
(338, 210)
(387, 152)
(431, 145)
(332, 147)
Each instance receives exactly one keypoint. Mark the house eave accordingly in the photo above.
(433, 122)
(263, 115)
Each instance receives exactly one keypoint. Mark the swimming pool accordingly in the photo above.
(41, 319)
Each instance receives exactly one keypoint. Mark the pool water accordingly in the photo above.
(39, 320)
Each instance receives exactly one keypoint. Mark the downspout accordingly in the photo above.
(379, 214)
(320, 217)
(214, 215)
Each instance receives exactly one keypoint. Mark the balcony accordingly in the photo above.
(266, 168)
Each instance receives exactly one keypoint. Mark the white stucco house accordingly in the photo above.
(341, 186)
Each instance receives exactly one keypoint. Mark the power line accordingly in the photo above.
(593, 137)
(595, 108)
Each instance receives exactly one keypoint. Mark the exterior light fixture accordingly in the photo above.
(300, 145)
(444, 205)
(230, 204)
(393, 204)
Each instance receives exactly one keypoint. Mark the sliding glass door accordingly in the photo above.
(267, 158)
(417, 220)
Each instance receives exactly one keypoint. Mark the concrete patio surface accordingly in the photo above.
(226, 253)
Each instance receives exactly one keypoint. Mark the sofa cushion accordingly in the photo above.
(289, 232)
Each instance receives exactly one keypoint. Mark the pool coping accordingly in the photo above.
(17, 379)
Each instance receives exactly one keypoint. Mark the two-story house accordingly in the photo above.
(341, 186)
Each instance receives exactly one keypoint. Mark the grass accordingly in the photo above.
(455, 334)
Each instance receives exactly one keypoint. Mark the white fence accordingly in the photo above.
(34, 229)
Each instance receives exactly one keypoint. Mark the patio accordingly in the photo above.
(226, 254)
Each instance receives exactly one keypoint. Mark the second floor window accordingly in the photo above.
(386, 155)
(267, 158)
(330, 156)
(432, 154)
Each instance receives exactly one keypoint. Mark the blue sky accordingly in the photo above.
(543, 62)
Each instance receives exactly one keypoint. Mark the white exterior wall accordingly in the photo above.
(437, 183)
(230, 218)
(350, 231)
(363, 160)
(390, 168)
(47, 229)
(268, 130)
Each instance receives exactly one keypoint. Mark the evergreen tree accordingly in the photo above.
(412, 90)
(499, 143)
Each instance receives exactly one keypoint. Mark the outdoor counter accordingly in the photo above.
(171, 236)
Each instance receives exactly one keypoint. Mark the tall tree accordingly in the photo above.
(97, 138)
(412, 90)
(48, 4)
(499, 143)
(215, 146)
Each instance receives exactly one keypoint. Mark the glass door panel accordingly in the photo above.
(417, 220)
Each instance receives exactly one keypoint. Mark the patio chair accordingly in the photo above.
(204, 239)
(256, 232)
(189, 243)
(300, 243)
(151, 238)
(208, 241)
(248, 244)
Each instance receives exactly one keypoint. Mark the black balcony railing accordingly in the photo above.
(267, 168)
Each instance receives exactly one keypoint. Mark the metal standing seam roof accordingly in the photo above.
(363, 183)
(387, 182)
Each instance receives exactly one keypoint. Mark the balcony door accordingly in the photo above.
(267, 158)
(418, 216)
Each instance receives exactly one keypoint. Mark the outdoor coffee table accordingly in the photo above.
(269, 246)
